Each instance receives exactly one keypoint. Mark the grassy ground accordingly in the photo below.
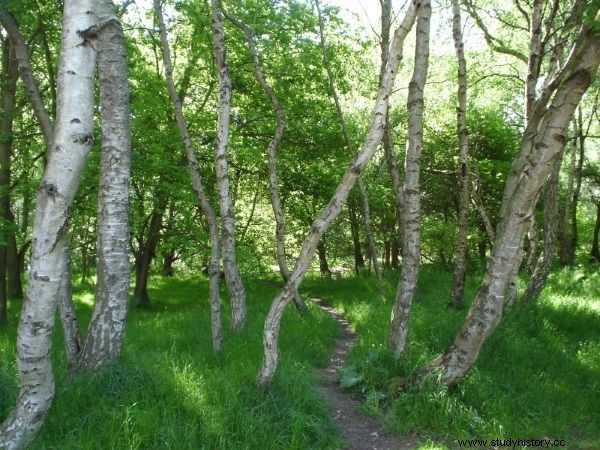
(172, 392)
(537, 376)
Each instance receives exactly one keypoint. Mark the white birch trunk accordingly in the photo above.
(207, 209)
(272, 156)
(232, 273)
(460, 264)
(331, 211)
(540, 150)
(105, 333)
(72, 143)
(411, 220)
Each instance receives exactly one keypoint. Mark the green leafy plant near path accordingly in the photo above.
(538, 377)
(172, 391)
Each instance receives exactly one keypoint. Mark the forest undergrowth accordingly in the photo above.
(537, 377)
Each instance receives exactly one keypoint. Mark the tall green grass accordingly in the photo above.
(537, 376)
(172, 392)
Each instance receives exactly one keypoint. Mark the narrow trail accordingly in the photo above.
(360, 432)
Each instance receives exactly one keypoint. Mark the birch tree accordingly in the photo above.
(460, 264)
(411, 226)
(202, 198)
(271, 154)
(72, 143)
(105, 333)
(332, 209)
(541, 145)
(232, 273)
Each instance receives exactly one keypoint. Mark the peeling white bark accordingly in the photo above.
(411, 214)
(107, 326)
(202, 198)
(72, 143)
(540, 151)
(232, 273)
(331, 211)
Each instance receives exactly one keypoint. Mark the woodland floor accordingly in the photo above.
(358, 431)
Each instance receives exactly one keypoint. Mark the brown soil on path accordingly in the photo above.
(358, 431)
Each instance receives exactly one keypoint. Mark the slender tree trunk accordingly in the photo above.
(544, 261)
(577, 190)
(202, 198)
(541, 145)
(232, 274)
(271, 153)
(565, 251)
(361, 186)
(595, 251)
(333, 208)
(144, 259)
(388, 143)
(411, 221)
(485, 218)
(395, 253)
(460, 264)
(73, 142)
(532, 241)
(10, 75)
(359, 261)
(104, 338)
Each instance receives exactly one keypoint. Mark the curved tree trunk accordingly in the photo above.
(411, 220)
(361, 186)
(202, 198)
(104, 338)
(272, 153)
(333, 208)
(232, 273)
(73, 142)
(541, 146)
(460, 264)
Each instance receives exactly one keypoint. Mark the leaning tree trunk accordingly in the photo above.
(104, 338)
(460, 264)
(271, 153)
(544, 262)
(361, 186)
(411, 221)
(68, 317)
(10, 75)
(541, 145)
(201, 197)
(331, 211)
(533, 73)
(232, 273)
(73, 142)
